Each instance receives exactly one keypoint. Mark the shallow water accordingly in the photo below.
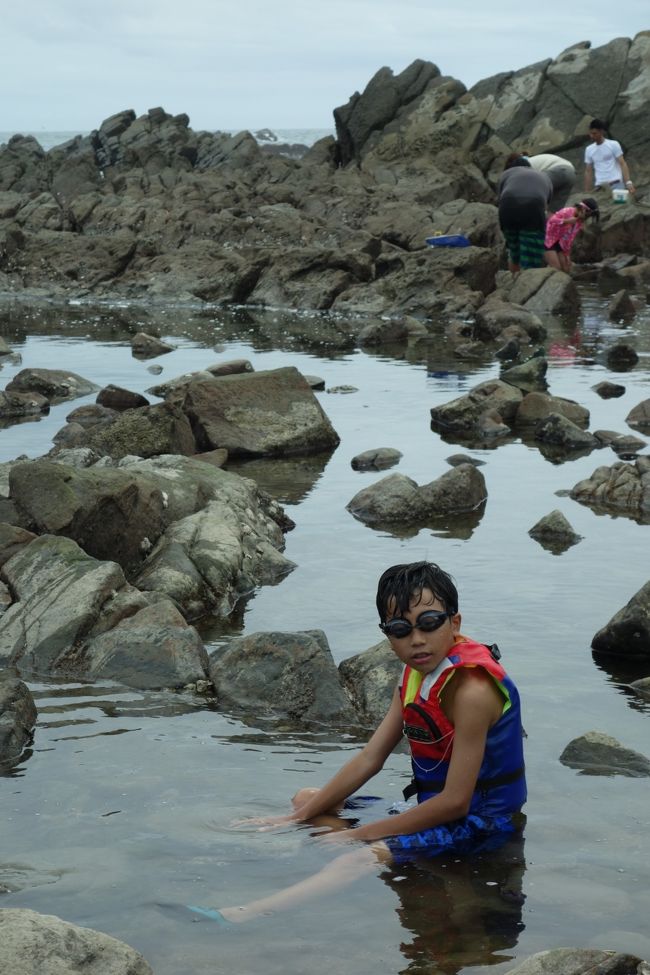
(121, 814)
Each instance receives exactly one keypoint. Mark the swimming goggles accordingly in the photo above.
(428, 621)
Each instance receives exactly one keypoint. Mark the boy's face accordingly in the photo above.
(424, 650)
(597, 136)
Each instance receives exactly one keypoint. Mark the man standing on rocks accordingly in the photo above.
(605, 165)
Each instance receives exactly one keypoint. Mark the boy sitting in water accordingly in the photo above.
(460, 714)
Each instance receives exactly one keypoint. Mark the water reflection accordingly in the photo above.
(461, 912)
(459, 524)
(288, 479)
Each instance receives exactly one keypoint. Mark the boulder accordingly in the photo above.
(527, 376)
(398, 499)
(536, 406)
(53, 384)
(377, 460)
(145, 432)
(554, 532)
(639, 416)
(14, 405)
(148, 346)
(621, 308)
(460, 417)
(542, 291)
(627, 634)
(496, 315)
(281, 674)
(66, 606)
(370, 679)
(17, 720)
(117, 398)
(622, 357)
(595, 753)
(33, 943)
(607, 390)
(270, 413)
(621, 489)
(559, 431)
(115, 515)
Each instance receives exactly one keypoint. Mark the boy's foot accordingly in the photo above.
(210, 912)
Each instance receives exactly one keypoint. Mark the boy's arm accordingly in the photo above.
(359, 769)
(589, 176)
(476, 706)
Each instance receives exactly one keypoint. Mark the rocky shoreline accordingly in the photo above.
(130, 531)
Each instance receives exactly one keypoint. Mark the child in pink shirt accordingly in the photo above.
(562, 228)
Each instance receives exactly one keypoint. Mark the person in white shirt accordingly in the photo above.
(561, 173)
(605, 165)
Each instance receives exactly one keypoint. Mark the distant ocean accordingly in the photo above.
(305, 137)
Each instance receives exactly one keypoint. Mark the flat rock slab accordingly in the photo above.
(271, 413)
(581, 961)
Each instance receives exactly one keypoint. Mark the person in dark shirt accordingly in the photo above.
(523, 198)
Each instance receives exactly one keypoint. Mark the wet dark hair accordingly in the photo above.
(597, 123)
(403, 583)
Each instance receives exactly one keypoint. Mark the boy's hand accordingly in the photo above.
(265, 822)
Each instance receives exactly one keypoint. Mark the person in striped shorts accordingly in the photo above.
(523, 198)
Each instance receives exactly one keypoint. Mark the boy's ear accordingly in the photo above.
(455, 621)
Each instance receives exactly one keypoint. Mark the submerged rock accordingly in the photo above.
(580, 961)
(378, 459)
(31, 942)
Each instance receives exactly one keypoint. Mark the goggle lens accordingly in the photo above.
(427, 622)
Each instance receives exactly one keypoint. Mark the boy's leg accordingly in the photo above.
(341, 872)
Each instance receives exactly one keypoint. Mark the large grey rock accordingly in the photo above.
(41, 944)
(559, 431)
(290, 674)
(370, 679)
(554, 532)
(17, 720)
(639, 416)
(66, 605)
(398, 499)
(528, 376)
(627, 634)
(112, 514)
(206, 561)
(542, 291)
(270, 413)
(462, 416)
(595, 753)
(54, 384)
(538, 406)
(622, 488)
(145, 432)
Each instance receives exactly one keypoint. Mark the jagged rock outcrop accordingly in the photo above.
(148, 207)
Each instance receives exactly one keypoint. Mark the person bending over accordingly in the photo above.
(460, 714)
(523, 196)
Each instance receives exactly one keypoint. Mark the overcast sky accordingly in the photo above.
(231, 64)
